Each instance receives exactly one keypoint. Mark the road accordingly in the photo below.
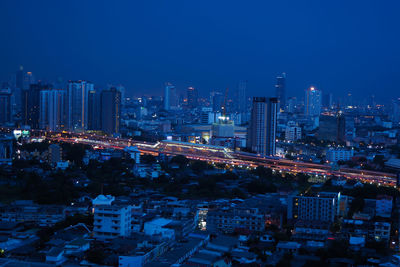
(222, 155)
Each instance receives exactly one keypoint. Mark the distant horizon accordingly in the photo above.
(204, 94)
(339, 47)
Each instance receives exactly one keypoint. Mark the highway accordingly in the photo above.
(223, 155)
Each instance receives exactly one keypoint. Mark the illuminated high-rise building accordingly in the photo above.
(110, 111)
(170, 97)
(77, 102)
(24, 79)
(31, 104)
(313, 102)
(261, 137)
(52, 104)
(192, 97)
(281, 90)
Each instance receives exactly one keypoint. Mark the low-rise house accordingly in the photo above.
(288, 247)
(311, 230)
(55, 256)
(28, 212)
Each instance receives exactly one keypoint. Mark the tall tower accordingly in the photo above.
(341, 127)
(110, 111)
(262, 129)
(281, 90)
(313, 102)
(52, 104)
(23, 79)
(94, 110)
(77, 101)
(241, 97)
(31, 104)
(167, 95)
(192, 97)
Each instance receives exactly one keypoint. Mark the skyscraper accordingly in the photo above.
(291, 104)
(241, 97)
(52, 114)
(169, 94)
(23, 79)
(5, 107)
(262, 130)
(110, 110)
(312, 102)
(341, 127)
(94, 111)
(192, 97)
(31, 104)
(332, 128)
(281, 90)
(77, 102)
(123, 93)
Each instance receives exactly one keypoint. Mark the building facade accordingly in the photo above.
(110, 111)
(313, 102)
(281, 90)
(77, 104)
(339, 154)
(52, 113)
(262, 129)
(111, 219)
(322, 207)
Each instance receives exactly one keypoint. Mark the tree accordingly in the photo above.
(74, 152)
(379, 160)
(356, 205)
(148, 159)
(263, 172)
(96, 255)
(199, 166)
(180, 160)
(261, 186)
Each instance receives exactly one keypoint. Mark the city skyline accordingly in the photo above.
(212, 133)
(207, 48)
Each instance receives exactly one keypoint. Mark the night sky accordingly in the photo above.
(338, 46)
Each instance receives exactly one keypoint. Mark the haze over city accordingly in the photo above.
(199, 133)
(338, 46)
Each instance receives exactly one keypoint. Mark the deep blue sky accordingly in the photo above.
(338, 46)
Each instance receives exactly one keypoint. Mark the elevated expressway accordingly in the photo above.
(223, 155)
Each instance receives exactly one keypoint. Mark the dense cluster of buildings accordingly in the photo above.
(73, 106)
(151, 229)
(268, 126)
